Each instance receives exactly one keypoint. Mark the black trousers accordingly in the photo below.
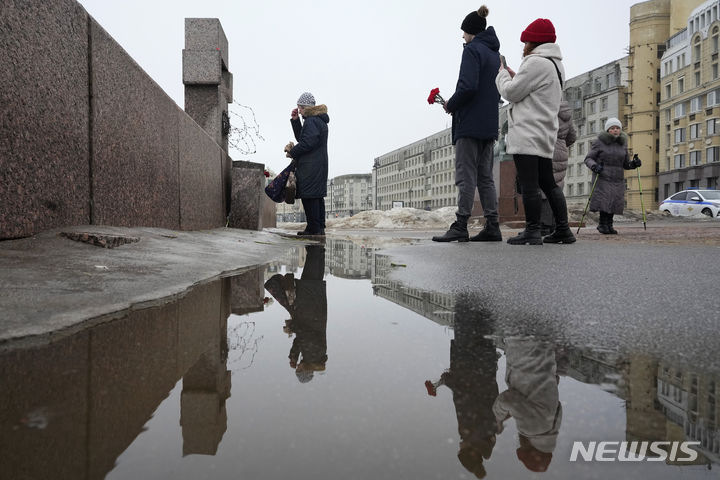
(534, 174)
(315, 214)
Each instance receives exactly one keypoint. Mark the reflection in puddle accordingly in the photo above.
(337, 373)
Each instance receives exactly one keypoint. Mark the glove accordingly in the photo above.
(597, 168)
(636, 161)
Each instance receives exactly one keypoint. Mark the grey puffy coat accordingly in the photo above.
(611, 152)
(565, 137)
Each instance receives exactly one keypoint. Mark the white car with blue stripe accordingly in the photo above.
(693, 202)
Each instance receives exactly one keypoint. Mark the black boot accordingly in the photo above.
(610, 224)
(457, 232)
(489, 233)
(562, 233)
(531, 235)
(603, 225)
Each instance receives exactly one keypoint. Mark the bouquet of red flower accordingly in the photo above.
(435, 97)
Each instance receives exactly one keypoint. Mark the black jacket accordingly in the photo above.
(310, 153)
(474, 104)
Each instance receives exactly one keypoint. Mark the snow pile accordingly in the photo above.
(396, 218)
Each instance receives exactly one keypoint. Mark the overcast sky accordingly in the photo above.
(372, 63)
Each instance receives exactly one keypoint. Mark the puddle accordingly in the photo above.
(322, 366)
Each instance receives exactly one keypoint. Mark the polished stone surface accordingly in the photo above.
(248, 195)
(44, 165)
(202, 203)
(135, 142)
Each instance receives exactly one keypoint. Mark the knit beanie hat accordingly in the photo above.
(475, 22)
(306, 99)
(612, 122)
(539, 31)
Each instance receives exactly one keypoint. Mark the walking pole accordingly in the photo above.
(641, 199)
(597, 175)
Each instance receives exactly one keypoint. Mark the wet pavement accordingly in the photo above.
(415, 361)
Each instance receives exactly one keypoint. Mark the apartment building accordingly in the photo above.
(419, 175)
(348, 195)
(689, 142)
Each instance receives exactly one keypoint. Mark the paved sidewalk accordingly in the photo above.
(54, 284)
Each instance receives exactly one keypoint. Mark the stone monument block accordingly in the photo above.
(206, 34)
(44, 158)
(248, 192)
(510, 206)
(202, 202)
(202, 67)
(134, 141)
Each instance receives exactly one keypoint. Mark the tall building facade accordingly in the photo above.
(689, 142)
(652, 23)
(348, 195)
(419, 175)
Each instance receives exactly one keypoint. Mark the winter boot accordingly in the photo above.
(457, 232)
(603, 226)
(610, 224)
(560, 236)
(531, 235)
(489, 233)
(562, 233)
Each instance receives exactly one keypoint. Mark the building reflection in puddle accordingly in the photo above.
(91, 404)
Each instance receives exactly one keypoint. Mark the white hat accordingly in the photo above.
(306, 99)
(612, 122)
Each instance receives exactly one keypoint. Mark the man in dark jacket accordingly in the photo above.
(474, 107)
(311, 158)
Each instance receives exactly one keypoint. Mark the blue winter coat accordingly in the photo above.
(310, 153)
(474, 104)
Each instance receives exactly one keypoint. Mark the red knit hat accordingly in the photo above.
(539, 31)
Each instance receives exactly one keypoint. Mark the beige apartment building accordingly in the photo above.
(419, 175)
(348, 195)
(690, 104)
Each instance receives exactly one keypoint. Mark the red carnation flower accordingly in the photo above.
(435, 97)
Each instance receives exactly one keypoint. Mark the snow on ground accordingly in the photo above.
(405, 218)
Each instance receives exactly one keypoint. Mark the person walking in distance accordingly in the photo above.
(534, 94)
(607, 158)
(311, 158)
(474, 110)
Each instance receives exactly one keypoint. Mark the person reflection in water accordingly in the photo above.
(471, 377)
(306, 301)
(532, 398)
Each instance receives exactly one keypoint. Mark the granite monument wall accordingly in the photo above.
(87, 137)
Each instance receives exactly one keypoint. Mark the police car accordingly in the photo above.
(693, 202)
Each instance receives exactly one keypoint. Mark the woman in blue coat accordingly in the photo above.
(311, 160)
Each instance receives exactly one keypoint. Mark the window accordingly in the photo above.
(712, 98)
(581, 130)
(668, 90)
(714, 71)
(695, 104)
(667, 115)
(591, 127)
(591, 106)
(570, 170)
(712, 154)
(696, 50)
(712, 126)
(680, 161)
(679, 135)
(681, 85)
(695, 157)
(694, 131)
(581, 148)
(680, 110)
(581, 188)
(570, 191)
(603, 104)
(715, 43)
